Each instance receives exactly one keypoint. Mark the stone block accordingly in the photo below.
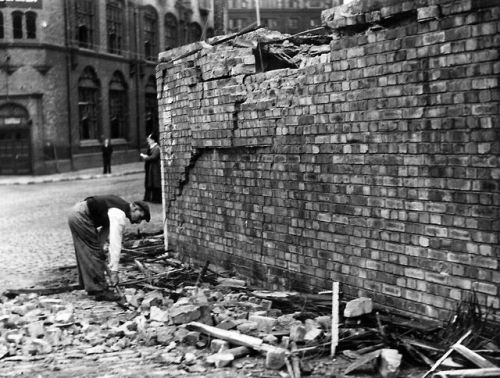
(264, 323)
(191, 338)
(227, 324)
(247, 327)
(218, 345)
(275, 358)
(152, 298)
(158, 315)
(14, 337)
(220, 359)
(171, 358)
(164, 335)
(185, 314)
(358, 307)
(297, 332)
(390, 361)
(64, 316)
(35, 329)
(53, 335)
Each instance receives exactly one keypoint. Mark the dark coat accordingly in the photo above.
(153, 168)
(107, 151)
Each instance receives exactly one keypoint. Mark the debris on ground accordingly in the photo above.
(201, 320)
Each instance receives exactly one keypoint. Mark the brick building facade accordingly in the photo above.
(75, 71)
(375, 163)
(286, 16)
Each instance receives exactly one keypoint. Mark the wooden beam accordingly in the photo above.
(445, 356)
(473, 357)
(486, 372)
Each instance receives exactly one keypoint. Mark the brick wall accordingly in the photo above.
(375, 164)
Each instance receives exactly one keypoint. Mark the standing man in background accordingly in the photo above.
(107, 150)
(152, 167)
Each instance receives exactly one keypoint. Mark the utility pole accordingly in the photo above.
(220, 9)
(257, 11)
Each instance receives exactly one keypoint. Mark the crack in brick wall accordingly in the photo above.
(376, 165)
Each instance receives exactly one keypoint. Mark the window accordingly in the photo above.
(88, 110)
(194, 32)
(17, 24)
(118, 105)
(293, 23)
(151, 106)
(31, 25)
(114, 23)
(1, 25)
(150, 34)
(85, 18)
(182, 32)
(171, 36)
(313, 22)
(270, 23)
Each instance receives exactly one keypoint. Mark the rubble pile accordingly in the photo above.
(201, 320)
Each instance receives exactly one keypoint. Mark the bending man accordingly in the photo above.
(92, 222)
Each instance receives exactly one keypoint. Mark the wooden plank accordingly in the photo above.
(363, 360)
(472, 373)
(473, 357)
(445, 356)
(335, 318)
(234, 337)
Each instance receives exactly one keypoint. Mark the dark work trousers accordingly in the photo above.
(88, 241)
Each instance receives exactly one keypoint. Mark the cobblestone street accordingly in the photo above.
(35, 237)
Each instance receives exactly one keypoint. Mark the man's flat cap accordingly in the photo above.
(145, 208)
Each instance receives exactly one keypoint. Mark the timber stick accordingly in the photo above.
(485, 372)
(445, 356)
(295, 361)
(289, 368)
(202, 274)
(473, 357)
(234, 337)
(335, 318)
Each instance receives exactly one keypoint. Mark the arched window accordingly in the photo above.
(88, 109)
(118, 106)
(150, 33)
(114, 24)
(1, 25)
(85, 12)
(171, 35)
(194, 32)
(151, 107)
(17, 24)
(31, 25)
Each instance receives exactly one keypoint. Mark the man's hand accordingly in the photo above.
(113, 278)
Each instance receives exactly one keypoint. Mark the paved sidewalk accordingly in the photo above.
(84, 174)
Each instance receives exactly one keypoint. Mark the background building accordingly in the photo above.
(75, 71)
(286, 16)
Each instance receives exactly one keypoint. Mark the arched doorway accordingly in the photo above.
(15, 146)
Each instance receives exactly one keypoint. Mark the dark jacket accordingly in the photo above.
(153, 168)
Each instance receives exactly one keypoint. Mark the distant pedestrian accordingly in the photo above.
(107, 150)
(93, 222)
(152, 167)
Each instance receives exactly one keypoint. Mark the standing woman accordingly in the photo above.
(153, 170)
(107, 150)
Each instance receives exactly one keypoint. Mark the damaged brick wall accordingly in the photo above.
(374, 162)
